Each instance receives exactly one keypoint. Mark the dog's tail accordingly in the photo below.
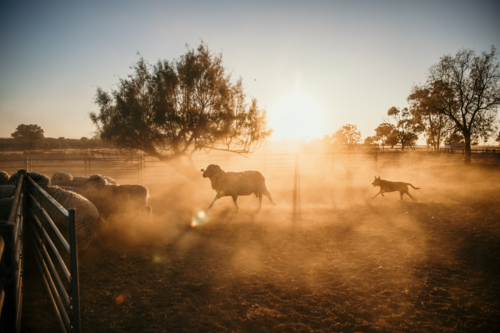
(416, 188)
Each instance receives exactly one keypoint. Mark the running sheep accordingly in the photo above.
(116, 199)
(233, 184)
(86, 213)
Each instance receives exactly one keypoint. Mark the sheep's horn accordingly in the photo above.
(202, 170)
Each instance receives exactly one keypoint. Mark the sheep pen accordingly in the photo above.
(349, 263)
(87, 214)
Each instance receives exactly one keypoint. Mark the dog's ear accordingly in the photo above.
(378, 177)
(375, 177)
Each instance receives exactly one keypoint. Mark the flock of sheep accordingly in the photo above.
(94, 198)
(97, 197)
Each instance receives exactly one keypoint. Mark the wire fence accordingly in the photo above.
(147, 169)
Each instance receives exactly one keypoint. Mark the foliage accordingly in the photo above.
(176, 108)
(455, 138)
(467, 90)
(28, 136)
(370, 141)
(407, 128)
(437, 125)
(383, 131)
(347, 136)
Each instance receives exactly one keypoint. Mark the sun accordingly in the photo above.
(296, 116)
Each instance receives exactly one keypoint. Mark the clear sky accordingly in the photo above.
(350, 61)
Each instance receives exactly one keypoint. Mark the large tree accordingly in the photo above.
(407, 128)
(382, 133)
(469, 93)
(348, 136)
(437, 124)
(175, 108)
(28, 136)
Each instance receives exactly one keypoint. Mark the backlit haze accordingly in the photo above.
(314, 66)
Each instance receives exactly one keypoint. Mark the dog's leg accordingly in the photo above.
(268, 194)
(260, 202)
(410, 195)
(380, 192)
(235, 200)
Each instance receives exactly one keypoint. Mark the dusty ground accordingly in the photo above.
(351, 264)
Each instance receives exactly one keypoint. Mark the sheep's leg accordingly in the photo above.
(104, 218)
(268, 194)
(84, 246)
(149, 210)
(235, 200)
(260, 201)
(217, 197)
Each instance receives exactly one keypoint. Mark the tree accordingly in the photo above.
(348, 135)
(175, 108)
(28, 136)
(383, 131)
(469, 93)
(370, 141)
(455, 138)
(436, 124)
(407, 127)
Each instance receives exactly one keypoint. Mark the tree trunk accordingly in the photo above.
(467, 159)
(186, 170)
(402, 145)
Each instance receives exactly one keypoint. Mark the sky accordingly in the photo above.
(346, 62)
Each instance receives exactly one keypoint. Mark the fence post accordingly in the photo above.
(75, 285)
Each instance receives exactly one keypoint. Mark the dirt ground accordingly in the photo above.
(350, 264)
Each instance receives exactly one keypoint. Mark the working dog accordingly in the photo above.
(387, 186)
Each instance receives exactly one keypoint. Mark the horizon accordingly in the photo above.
(350, 61)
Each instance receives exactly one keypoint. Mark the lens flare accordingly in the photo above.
(200, 218)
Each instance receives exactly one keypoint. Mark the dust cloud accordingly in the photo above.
(346, 262)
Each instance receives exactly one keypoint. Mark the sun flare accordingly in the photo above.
(296, 116)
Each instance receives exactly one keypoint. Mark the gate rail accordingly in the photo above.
(11, 260)
(59, 273)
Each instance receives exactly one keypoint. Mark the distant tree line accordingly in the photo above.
(31, 137)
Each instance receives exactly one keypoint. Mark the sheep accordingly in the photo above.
(234, 184)
(116, 199)
(5, 207)
(7, 191)
(4, 178)
(62, 178)
(86, 213)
